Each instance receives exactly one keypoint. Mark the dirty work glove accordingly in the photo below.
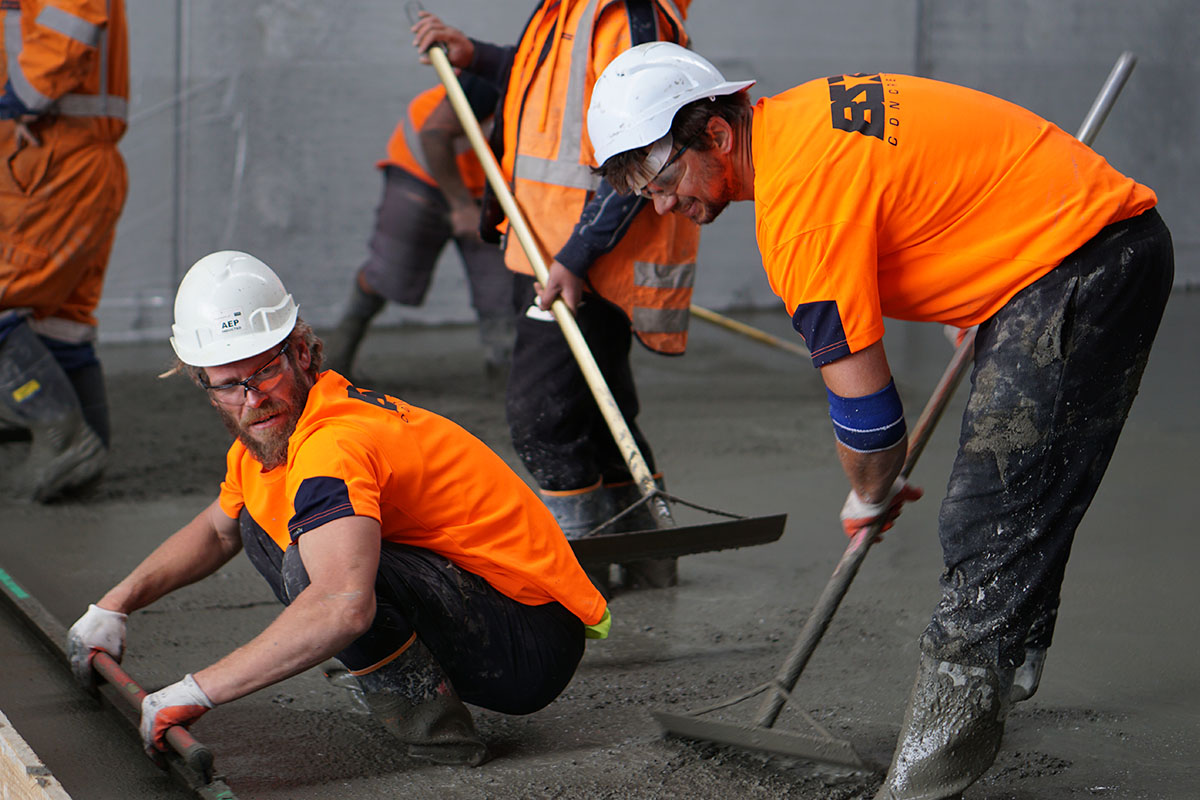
(98, 629)
(858, 513)
(181, 703)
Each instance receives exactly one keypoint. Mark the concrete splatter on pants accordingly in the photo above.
(556, 426)
(1055, 374)
(498, 653)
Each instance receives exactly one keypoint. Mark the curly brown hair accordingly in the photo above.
(627, 170)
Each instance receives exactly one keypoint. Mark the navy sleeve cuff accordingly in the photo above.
(491, 62)
(11, 106)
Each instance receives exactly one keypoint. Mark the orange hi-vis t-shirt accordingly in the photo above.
(428, 482)
(895, 196)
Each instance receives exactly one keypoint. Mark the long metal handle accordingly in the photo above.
(1107, 97)
(197, 755)
(822, 613)
(562, 313)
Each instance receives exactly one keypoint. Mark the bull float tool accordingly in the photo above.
(190, 761)
(821, 745)
(667, 540)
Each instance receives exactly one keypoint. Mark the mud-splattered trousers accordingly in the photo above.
(499, 654)
(1055, 374)
(412, 227)
(557, 428)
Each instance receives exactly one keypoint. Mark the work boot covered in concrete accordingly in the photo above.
(578, 513)
(1029, 675)
(649, 573)
(951, 731)
(416, 702)
(35, 393)
(341, 346)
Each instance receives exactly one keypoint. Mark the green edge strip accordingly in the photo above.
(12, 586)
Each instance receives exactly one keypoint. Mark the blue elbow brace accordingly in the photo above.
(868, 424)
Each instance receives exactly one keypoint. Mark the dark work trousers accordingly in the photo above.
(412, 226)
(557, 428)
(499, 654)
(1056, 371)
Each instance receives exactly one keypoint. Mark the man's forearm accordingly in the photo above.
(314, 627)
(871, 475)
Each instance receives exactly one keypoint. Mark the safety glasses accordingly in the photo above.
(262, 381)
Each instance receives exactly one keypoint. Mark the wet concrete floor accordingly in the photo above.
(735, 425)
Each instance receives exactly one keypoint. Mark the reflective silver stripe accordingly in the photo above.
(570, 136)
(674, 14)
(566, 170)
(413, 139)
(664, 276)
(65, 330)
(660, 320)
(559, 173)
(92, 105)
(70, 105)
(462, 144)
(69, 25)
(31, 97)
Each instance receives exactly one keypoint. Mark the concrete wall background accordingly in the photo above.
(256, 125)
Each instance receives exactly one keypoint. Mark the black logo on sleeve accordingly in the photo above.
(856, 104)
(370, 396)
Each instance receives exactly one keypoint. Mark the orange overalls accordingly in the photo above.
(67, 62)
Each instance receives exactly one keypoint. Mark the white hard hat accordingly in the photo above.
(230, 306)
(637, 95)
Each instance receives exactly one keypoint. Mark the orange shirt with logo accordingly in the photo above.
(428, 482)
(895, 196)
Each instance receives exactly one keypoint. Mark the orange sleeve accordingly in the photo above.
(828, 280)
(59, 49)
(231, 498)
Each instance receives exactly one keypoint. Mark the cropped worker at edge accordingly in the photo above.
(432, 186)
(616, 264)
(396, 540)
(65, 82)
(889, 195)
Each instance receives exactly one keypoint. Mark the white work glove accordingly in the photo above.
(181, 703)
(858, 513)
(98, 629)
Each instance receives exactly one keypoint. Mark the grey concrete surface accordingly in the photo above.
(737, 426)
(256, 126)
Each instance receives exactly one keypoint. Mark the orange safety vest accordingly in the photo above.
(404, 148)
(69, 58)
(548, 158)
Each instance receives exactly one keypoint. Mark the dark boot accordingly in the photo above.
(35, 393)
(951, 731)
(88, 383)
(1028, 675)
(341, 346)
(649, 573)
(578, 514)
(496, 333)
(416, 703)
